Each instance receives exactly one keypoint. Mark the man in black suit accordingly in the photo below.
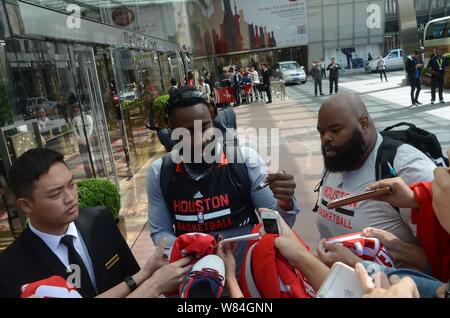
(85, 247)
(334, 68)
(266, 82)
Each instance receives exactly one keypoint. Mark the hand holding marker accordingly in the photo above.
(264, 184)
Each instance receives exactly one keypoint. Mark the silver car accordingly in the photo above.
(393, 58)
(290, 72)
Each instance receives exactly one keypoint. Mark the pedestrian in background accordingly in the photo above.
(381, 67)
(236, 80)
(255, 82)
(317, 76)
(334, 68)
(413, 67)
(437, 66)
(323, 67)
(266, 82)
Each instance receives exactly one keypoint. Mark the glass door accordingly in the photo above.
(89, 115)
(113, 112)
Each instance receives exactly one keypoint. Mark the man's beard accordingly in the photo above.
(202, 166)
(348, 155)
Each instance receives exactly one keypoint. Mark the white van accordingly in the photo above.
(393, 58)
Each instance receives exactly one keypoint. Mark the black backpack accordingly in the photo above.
(392, 139)
(238, 172)
(414, 136)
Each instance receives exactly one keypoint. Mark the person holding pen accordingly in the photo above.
(350, 145)
(214, 198)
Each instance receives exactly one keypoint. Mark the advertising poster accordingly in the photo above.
(226, 26)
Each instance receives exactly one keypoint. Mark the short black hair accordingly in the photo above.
(29, 167)
(416, 51)
(173, 81)
(185, 97)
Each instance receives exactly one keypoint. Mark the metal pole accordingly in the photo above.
(409, 37)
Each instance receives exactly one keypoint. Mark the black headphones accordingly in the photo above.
(191, 96)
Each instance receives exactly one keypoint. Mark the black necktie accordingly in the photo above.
(86, 289)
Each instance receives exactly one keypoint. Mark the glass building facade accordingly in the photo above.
(84, 87)
(344, 29)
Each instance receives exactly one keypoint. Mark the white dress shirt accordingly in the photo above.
(54, 243)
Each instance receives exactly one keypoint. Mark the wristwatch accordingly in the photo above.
(447, 290)
(131, 283)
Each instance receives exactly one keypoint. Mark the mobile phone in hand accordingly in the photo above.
(341, 282)
(352, 198)
(271, 221)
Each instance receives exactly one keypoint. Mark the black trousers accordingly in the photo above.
(237, 95)
(381, 75)
(415, 87)
(324, 73)
(437, 82)
(268, 92)
(84, 153)
(335, 82)
(257, 92)
(318, 83)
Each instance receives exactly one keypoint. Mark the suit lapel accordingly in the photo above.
(84, 227)
(43, 254)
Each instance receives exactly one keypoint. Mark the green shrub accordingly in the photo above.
(447, 57)
(159, 102)
(99, 192)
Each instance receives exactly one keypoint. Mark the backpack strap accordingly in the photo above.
(239, 175)
(166, 175)
(400, 124)
(317, 189)
(385, 158)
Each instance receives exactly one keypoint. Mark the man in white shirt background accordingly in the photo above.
(204, 87)
(254, 76)
(81, 131)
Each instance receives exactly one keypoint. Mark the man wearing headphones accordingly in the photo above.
(189, 192)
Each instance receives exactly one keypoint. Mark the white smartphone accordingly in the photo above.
(341, 282)
(271, 221)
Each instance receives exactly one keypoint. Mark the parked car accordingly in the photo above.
(127, 95)
(393, 58)
(290, 72)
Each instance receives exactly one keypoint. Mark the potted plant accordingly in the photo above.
(101, 192)
(447, 71)
(157, 110)
(426, 76)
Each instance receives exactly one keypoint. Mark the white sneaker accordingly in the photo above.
(206, 279)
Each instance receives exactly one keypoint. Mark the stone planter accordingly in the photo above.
(426, 80)
(160, 120)
(447, 78)
(120, 221)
